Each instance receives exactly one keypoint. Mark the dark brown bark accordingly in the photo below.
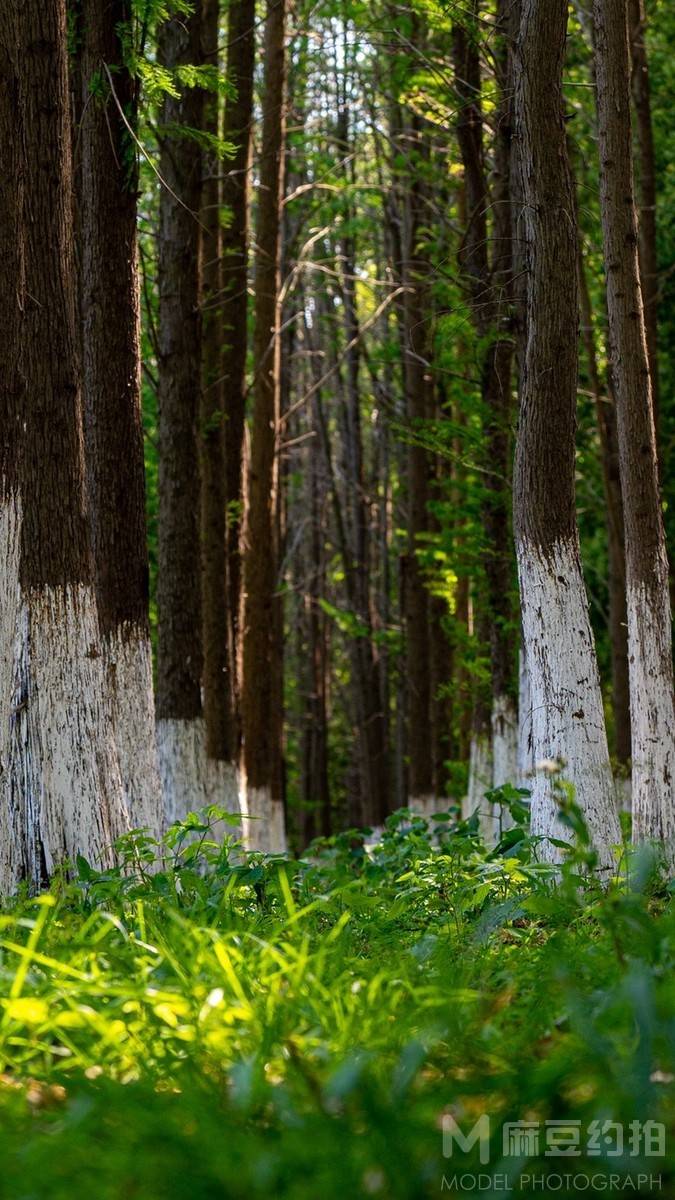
(55, 540)
(110, 312)
(645, 546)
(179, 655)
(11, 251)
(237, 130)
(544, 507)
(649, 618)
(221, 742)
(262, 752)
(517, 210)
(649, 274)
(605, 410)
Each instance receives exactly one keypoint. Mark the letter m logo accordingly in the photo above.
(480, 1133)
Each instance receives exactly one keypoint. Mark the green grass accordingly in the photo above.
(220, 1027)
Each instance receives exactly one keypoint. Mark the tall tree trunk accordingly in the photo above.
(417, 384)
(12, 401)
(66, 786)
(366, 680)
(262, 653)
(489, 285)
(215, 640)
(112, 394)
(567, 714)
(237, 130)
(316, 792)
(649, 620)
(218, 673)
(180, 723)
(649, 275)
(605, 408)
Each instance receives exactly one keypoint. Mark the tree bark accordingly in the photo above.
(109, 301)
(188, 782)
(264, 821)
(221, 741)
(567, 715)
(66, 792)
(649, 274)
(489, 287)
(605, 408)
(12, 399)
(237, 131)
(649, 619)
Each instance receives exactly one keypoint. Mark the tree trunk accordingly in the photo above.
(215, 639)
(649, 275)
(218, 672)
(649, 620)
(187, 780)
(567, 715)
(489, 286)
(605, 409)
(66, 789)
(371, 723)
(12, 401)
(264, 821)
(416, 378)
(234, 307)
(316, 791)
(109, 302)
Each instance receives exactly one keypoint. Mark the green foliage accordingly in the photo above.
(199, 1022)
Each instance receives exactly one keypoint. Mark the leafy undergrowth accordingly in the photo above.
(229, 1026)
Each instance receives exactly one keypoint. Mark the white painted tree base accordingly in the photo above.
(504, 741)
(262, 820)
(568, 722)
(480, 782)
(652, 714)
(504, 755)
(624, 793)
(128, 664)
(66, 792)
(524, 754)
(190, 780)
(10, 557)
(425, 806)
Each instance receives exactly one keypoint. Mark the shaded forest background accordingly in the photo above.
(374, 111)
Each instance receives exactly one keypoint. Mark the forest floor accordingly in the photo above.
(312, 1029)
